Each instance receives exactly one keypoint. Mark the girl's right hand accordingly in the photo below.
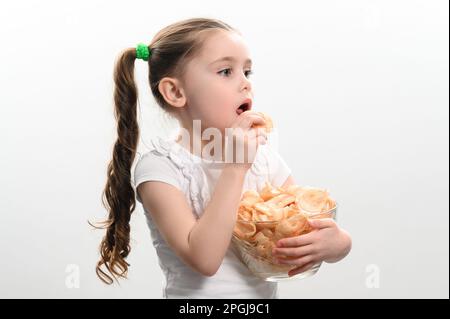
(241, 154)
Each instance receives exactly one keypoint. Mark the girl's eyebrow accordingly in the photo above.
(231, 59)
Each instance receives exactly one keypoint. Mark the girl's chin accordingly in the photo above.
(225, 124)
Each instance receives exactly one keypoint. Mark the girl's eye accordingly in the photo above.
(225, 72)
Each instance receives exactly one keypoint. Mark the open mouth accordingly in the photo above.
(247, 105)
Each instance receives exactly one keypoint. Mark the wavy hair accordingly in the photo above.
(171, 49)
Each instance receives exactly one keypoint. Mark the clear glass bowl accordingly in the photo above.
(262, 266)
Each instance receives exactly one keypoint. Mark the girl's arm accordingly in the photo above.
(201, 243)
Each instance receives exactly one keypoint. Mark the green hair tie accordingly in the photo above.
(142, 52)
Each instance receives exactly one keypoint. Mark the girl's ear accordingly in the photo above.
(172, 91)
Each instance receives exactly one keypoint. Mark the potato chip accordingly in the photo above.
(291, 227)
(294, 190)
(290, 211)
(278, 213)
(260, 238)
(268, 192)
(244, 230)
(263, 208)
(265, 249)
(245, 215)
(312, 200)
(258, 217)
(267, 232)
(250, 194)
(281, 200)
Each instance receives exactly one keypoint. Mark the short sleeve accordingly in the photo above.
(153, 167)
(279, 171)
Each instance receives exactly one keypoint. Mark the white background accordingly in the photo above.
(358, 91)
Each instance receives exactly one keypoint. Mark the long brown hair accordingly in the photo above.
(170, 49)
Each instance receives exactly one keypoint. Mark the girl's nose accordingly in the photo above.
(246, 84)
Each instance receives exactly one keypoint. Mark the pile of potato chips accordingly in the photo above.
(275, 213)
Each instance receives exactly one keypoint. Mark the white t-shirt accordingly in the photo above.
(171, 163)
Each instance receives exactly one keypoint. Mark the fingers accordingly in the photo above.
(301, 269)
(247, 119)
(257, 135)
(253, 132)
(297, 241)
(293, 252)
(296, 262)
(322, 223)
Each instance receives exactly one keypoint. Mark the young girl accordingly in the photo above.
(198, 70)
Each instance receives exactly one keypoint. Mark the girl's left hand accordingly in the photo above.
(327, 242)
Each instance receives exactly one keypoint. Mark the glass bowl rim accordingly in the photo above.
(275, 222)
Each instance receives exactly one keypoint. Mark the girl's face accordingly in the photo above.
(217, 81)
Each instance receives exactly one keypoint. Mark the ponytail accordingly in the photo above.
(118, 192)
